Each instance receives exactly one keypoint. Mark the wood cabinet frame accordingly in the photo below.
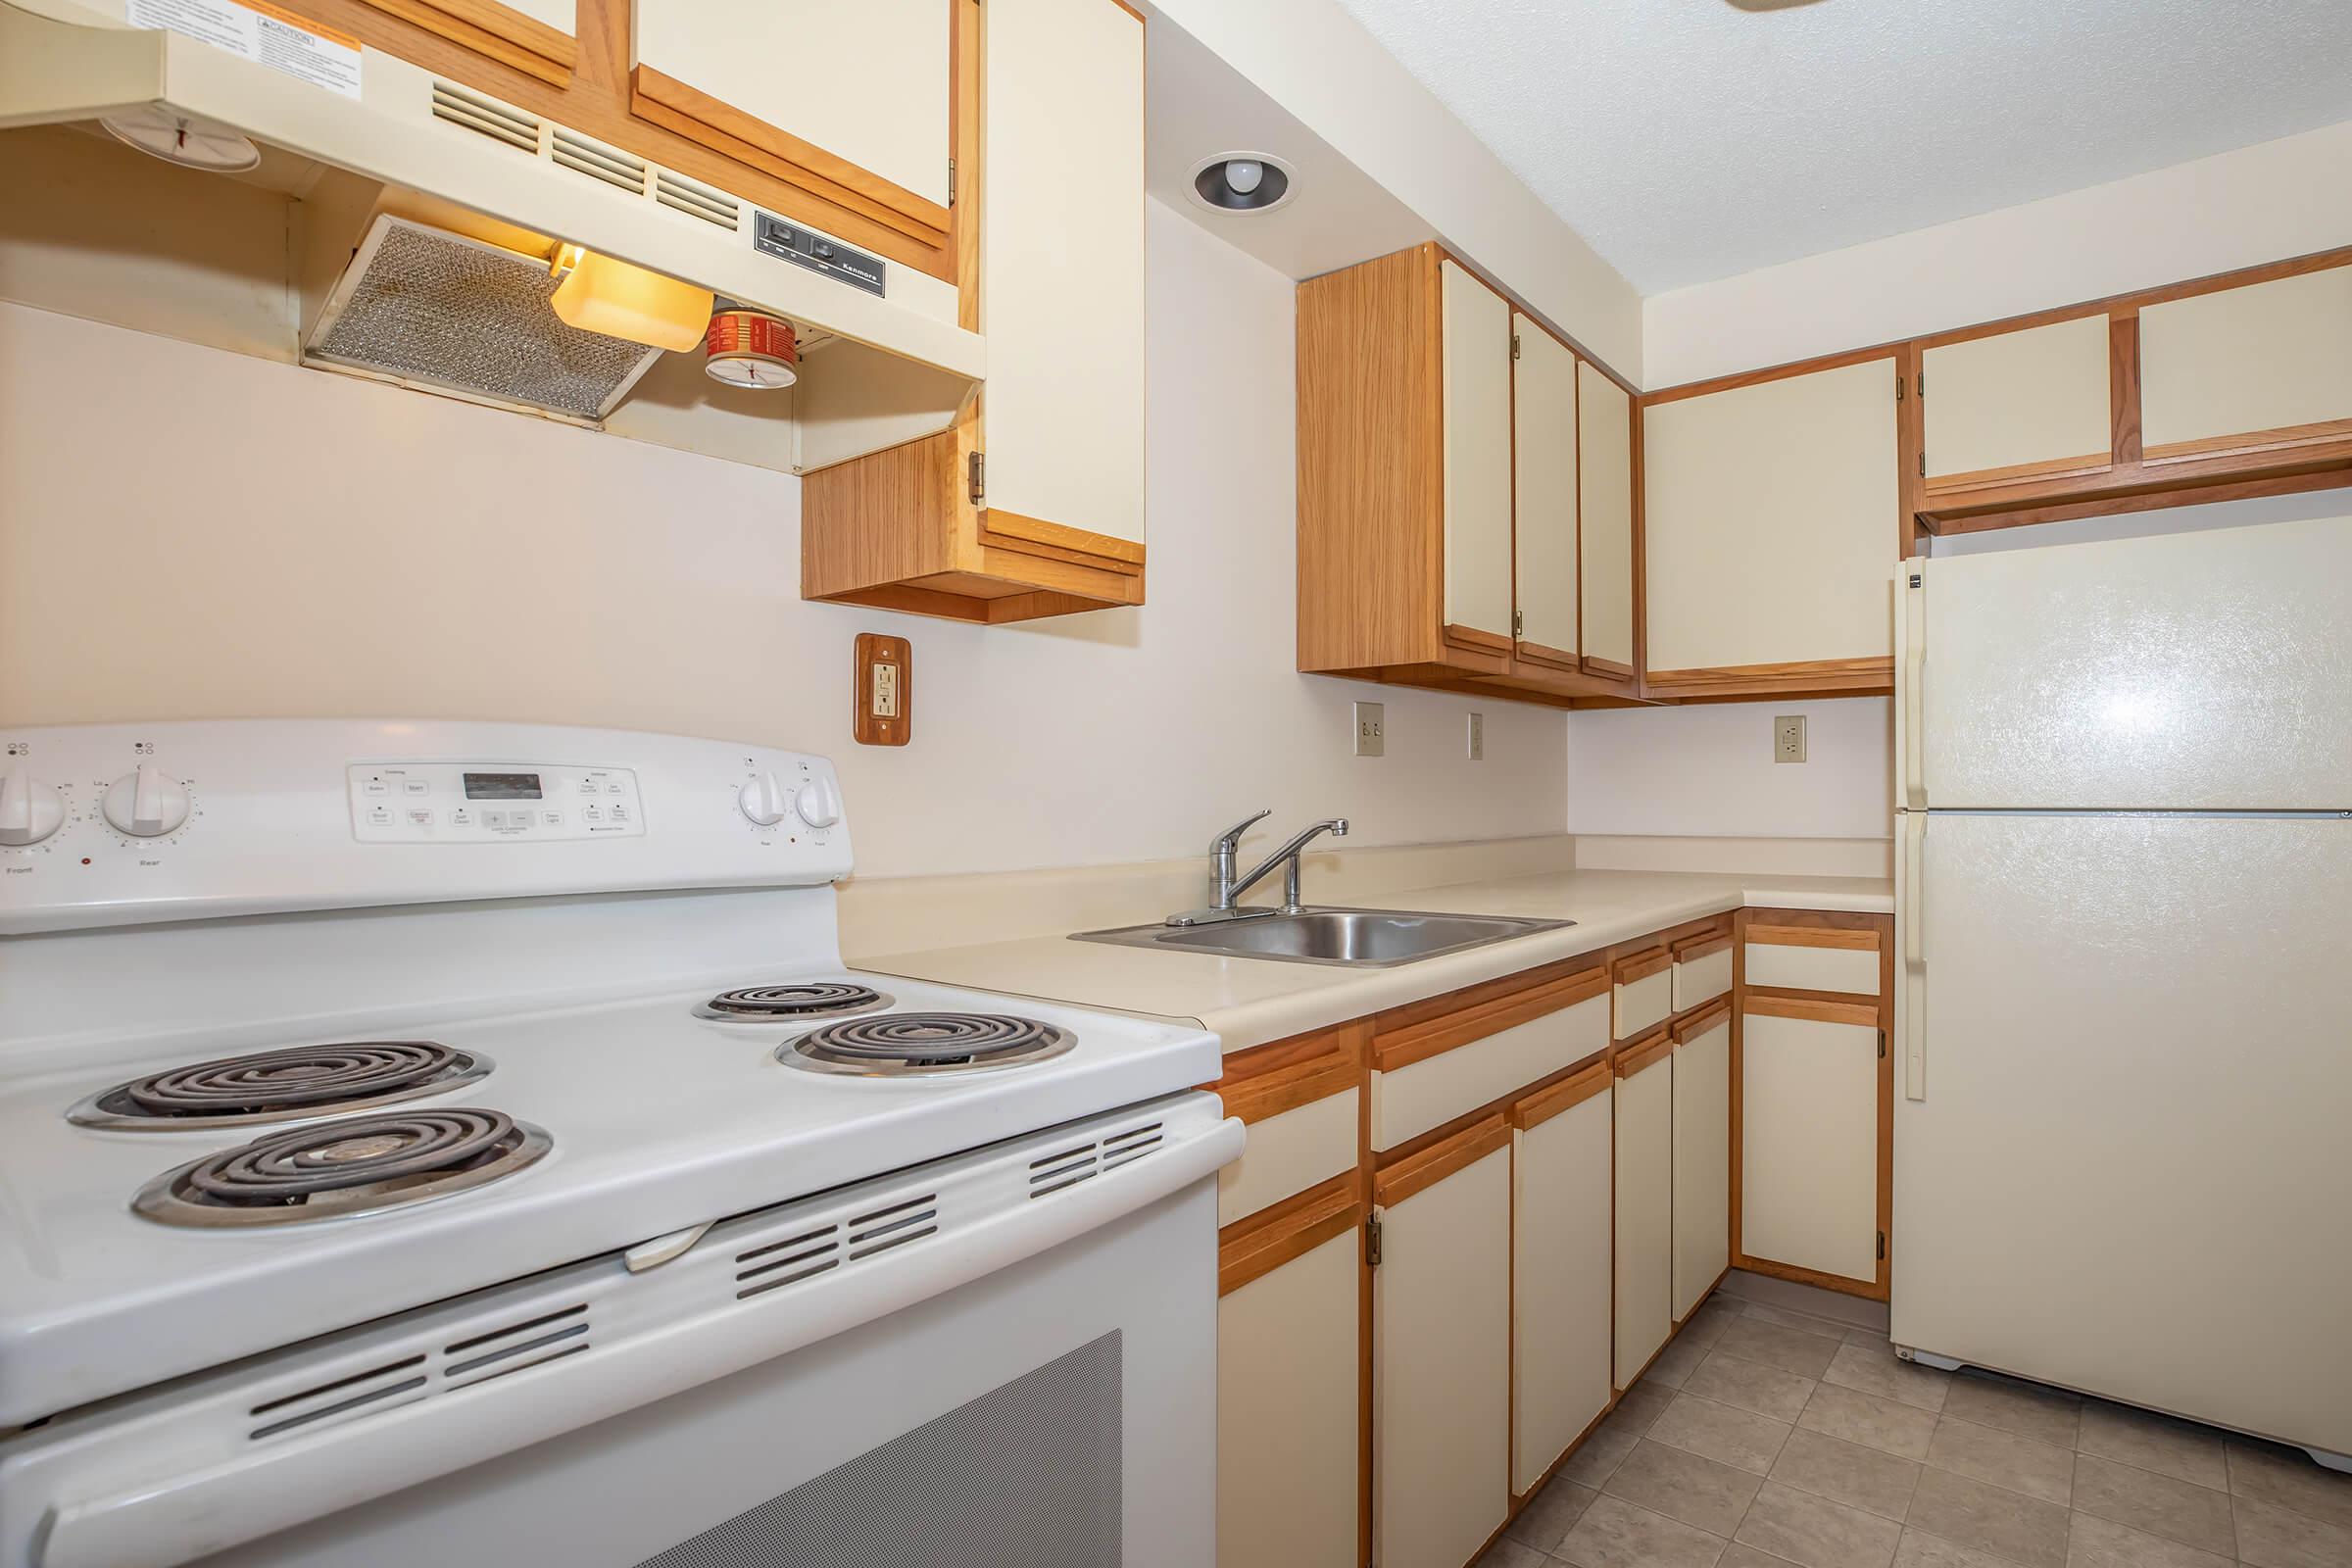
(1371, 576)
(1828, 928)
(592, 84)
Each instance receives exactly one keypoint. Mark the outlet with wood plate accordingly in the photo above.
(883, 690)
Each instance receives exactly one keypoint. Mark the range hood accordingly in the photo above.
(437, 186)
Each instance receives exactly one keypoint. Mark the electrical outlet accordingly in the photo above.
(1477, 737)
(1371, 731)
(1788, 738)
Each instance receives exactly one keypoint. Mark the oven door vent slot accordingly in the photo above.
(341, 1399)
(1126, 1148)
(885, 1228)
(774, 1264)
(1065, 1167)
(516, 1347)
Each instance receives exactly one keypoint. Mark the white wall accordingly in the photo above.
(2238, 209)
(1706, 770)
(186, 532)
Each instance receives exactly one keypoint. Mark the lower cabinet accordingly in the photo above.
(1442, 1349)
(1809, 1135)
(1560, 1290)
(1644, 1184)
(1702, 1155)
(1287, 1417)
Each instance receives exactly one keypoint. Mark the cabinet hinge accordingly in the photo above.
(979, 470)
(1882, 1247)
(1923, 463)
(1372, 1239)
(1881, 1045)
(1518, 622)
(950, 183)
(1899, 389)
(1923, 383)
(1514, 345)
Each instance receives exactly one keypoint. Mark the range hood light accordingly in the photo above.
(600, 294)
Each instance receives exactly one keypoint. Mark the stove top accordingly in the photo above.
(356, 1165)
(799, 999)
(925, 1045)
(297, 1083)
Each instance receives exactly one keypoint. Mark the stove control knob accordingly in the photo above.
(819, 803)
(30, 809)
(763, 799)
(147, 803)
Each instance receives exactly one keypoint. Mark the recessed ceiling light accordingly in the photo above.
(1240, 182)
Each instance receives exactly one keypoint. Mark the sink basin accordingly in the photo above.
(1356, 939)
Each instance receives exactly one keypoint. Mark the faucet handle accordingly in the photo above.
(1231, 838)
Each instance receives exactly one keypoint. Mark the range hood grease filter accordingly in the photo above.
(425, 306)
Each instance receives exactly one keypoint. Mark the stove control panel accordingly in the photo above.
(491, 802)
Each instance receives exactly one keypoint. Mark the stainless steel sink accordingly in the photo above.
(1355, 938)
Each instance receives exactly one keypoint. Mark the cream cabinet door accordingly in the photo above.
(1809, 1138)
(869, 84)
(1544, 376)
(1769, 516)
(1475, 334)
(1287, 1428)
(1561, 1372)
(1062, 264)
(2265, 357)
(1703, 1158)
(1604, 480)
(2036, 399)
(1645, 1113)
(1442, 1366)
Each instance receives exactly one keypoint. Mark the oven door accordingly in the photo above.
(1054, 1408)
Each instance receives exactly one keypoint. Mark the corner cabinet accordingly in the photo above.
(1033, 503)
(1769, 511)
(1444, 458)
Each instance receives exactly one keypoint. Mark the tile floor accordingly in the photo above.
(1765, 1438)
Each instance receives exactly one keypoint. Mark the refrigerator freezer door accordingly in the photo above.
(2197, 671)
(2128, 1174)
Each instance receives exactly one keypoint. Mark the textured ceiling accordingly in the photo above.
(1693, 140)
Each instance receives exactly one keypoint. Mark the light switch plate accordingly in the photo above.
(1371, 729)
(1477, 737)
(1788, 738)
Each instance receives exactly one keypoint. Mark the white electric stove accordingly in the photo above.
(459, 1138)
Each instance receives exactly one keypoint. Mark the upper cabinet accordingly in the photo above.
(1441, 461)
(2265, 365)
(2015, 403)
(1769, 512)
(1607, 432)
(855, 103)
(1032, 505)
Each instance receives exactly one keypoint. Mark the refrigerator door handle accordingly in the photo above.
(1914, 693)
(1915, 958)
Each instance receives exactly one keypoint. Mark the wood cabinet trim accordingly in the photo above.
(2018, 474)
(1638, 966)
(1857, 676)
(1535, 1109)
(1267, 1080)
(1011, 530)
(1645, 1051)
(1256, 1246)
(1406, 1045)
(1850, 938)
(1712, 1014)
(2287, 438)
(500, 32)
(1812, 1009)
(1425, 1167)
(1701, 946)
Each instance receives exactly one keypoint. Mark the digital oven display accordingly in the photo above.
(502, 786)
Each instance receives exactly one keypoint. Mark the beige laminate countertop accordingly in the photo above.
(1249, 1002)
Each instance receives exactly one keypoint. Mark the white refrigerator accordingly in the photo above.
(2123, 1116)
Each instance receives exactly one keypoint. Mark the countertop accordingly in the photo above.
(1249, 1002)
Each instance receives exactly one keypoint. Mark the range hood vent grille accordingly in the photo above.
(577, 153)
(422, 305)
(486, 115)
(697, 201)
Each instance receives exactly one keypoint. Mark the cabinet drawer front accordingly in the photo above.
(1702, 971)
(1644, 993)
(2240, 361)
(1813, 959)
(1809, 1119)
(1288, 1153)
(1408, 1100)
(1287, 1414)
(1560, 1283)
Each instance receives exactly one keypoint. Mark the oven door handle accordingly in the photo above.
(159, 1522)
